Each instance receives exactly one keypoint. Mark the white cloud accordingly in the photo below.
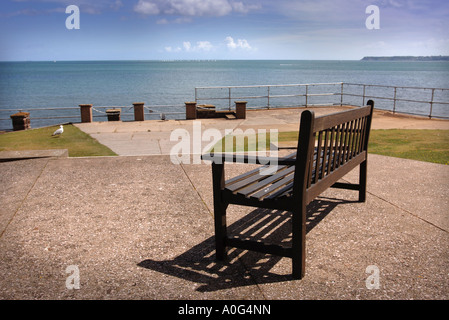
(171, 49)
(207, 46)
(146, 7)
(204, 46)
(243, 8)
(201, 46)
(240, 44)
(192, 7)
(187, 46)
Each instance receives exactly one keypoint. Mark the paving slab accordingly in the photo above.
(16, 181)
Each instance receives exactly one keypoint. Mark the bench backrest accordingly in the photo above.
(330, 146)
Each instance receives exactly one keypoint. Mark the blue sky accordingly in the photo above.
(221, 29)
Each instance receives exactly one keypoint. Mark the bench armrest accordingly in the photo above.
(220, 158)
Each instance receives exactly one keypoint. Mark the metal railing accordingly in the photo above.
(390, 98)
(430, 102)
(401, 94)
(54, 115)
(157, 111)
(302, 90)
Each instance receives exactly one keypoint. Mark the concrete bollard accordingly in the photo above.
(139, 111)
(86, 112)
(20, 121)
(240, 109)
(191, 110)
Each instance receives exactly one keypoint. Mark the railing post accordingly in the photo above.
(431, 103)
(394, 100)
(341, 95)
(307, 90)
(229, 98)
(139, 114)
(190, 110)
(363, 102)
(268, 97)
(86, 112)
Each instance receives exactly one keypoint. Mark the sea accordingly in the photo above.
(52, 90)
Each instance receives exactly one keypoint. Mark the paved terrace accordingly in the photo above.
(141, 227)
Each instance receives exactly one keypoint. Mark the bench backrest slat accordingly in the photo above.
(328, 143)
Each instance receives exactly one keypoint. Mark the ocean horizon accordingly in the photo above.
(28, 85)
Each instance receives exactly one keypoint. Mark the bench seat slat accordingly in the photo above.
(269, 180)
(248, 180)
(269, 190)
(251, 177)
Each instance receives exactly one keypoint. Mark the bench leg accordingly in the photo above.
(220, 232)
(299, 243)
(219, 211)
(362, 181)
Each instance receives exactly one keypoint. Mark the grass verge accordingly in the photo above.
(423, 145)
(78, 143)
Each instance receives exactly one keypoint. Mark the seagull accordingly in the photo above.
(59, 131)
(162, 116)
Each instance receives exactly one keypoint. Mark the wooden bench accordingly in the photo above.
(329, 147)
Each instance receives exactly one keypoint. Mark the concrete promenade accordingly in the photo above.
(140, 226)
(153, 137)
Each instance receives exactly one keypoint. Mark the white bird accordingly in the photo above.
(59, 131)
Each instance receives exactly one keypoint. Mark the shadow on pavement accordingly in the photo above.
(242, 267)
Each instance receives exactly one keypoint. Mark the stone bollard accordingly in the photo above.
(240, 109)
(20, 121)
(190, 110)
(113, 114)
(138, 111)
(86, 112)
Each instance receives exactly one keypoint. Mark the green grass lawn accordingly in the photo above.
(423, 145)
(78, 143)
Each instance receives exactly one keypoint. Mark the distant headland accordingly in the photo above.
(407, 58)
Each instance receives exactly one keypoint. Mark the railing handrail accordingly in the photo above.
(271, 85)
(388, 86)
(228, 96)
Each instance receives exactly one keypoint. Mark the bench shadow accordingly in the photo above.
(242, 267)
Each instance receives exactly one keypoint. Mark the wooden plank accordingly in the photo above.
(318, 158)
(326, 142)
(316, 189)
(272, 191)
(333, 119)
(331, 151)
(266, 182)
(254, 171)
